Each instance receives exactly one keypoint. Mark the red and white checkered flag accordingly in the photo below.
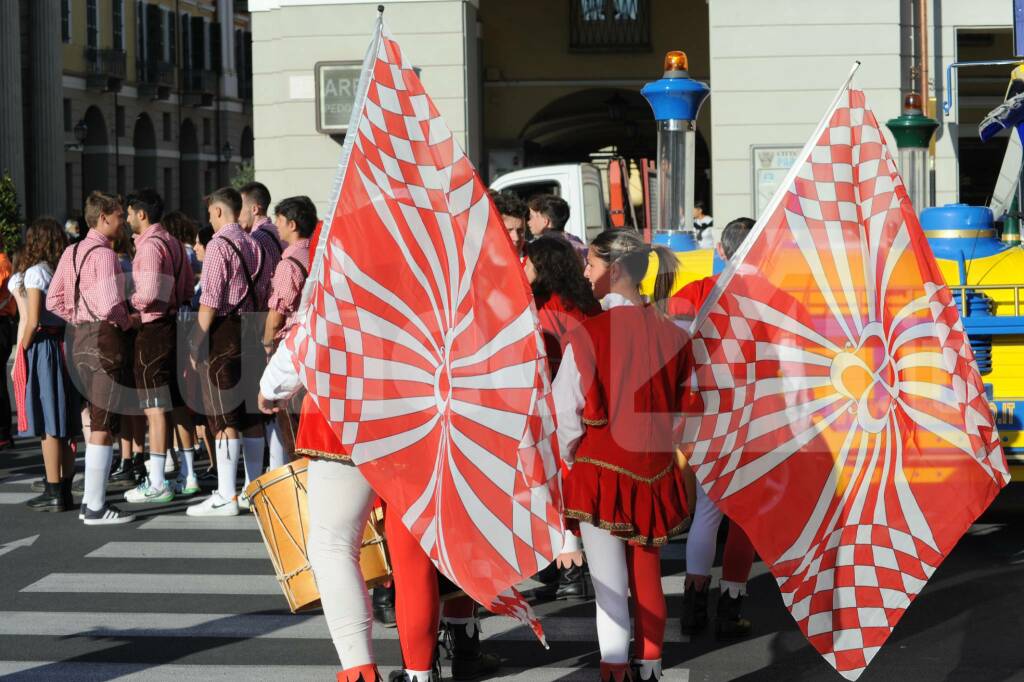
(420, 344)
(845, 426)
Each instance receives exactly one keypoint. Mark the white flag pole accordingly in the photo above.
(755, 231)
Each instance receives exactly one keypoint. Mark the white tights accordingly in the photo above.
(703, 538)
(340, 500)
(609, 570)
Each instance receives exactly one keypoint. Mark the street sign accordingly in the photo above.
(336, 84)
(769, 165)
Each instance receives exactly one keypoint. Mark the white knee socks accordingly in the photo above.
(253, 458)
(703, 536)
(97, 467)
(228, 452)
(276, 445)
(606, 555)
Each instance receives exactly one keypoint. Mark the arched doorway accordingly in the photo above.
(572, 128)
(95, 154)
(190, 193)
(245, 148)
(144, 142)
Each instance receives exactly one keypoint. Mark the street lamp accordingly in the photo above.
(226, 151)
(913, 132)
(81, 131)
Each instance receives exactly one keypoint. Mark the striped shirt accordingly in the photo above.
(224, 285)
(100, 289)
(286, 287)
(161, 273)
(264, 232)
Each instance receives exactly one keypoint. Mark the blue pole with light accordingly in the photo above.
(676, 99)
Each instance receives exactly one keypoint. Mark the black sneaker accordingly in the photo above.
(49, 501)
(39, 485)
(79, 485)
(81, 512)
(123, 477)
(108, 516)
(384, 606)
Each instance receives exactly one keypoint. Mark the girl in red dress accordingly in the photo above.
(617, 392)
(564, 299)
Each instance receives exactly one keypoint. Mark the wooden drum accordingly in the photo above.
(279, 500)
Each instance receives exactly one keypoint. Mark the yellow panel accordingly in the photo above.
(693, 265)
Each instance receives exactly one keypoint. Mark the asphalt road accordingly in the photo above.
(172, 598)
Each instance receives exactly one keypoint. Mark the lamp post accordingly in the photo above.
(81, 131)
(676, 99)
(225, 156)
(913, 132)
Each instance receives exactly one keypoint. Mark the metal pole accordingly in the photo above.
(922, 18)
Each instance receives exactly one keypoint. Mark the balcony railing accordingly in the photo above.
(609, 25)
(156, 79)
(199, 86)
(105, 68)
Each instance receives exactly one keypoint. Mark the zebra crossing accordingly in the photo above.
(172, 597)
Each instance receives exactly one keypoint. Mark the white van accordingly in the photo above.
(578, 183)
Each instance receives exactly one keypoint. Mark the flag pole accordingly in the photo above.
(741, 252)
(317, 258)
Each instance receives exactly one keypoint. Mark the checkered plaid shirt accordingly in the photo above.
(223, 283)
(161, 273)
(264, 232)
(286, 287)
(101, 291)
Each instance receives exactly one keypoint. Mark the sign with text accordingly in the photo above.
(336, 84)
(770, 164)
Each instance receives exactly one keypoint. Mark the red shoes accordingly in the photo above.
(363, 673)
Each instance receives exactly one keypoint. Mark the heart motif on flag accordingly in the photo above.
(866, 374)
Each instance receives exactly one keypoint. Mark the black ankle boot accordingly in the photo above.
(384, 606)
(123, 477)
(729, 623)
(694, 617)
(49, 501)
(573, 583)
(65, 492)
(139, 467)
(468, 662)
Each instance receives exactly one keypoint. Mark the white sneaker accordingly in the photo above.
(145, 492)
(185, 486)
(243, 502)
(168, 464)
(214, 505)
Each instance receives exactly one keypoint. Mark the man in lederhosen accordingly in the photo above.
(163, 281)
(254, 219)
(88, 291)
(228, 291)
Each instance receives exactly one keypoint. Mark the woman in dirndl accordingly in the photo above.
(48, 406)
(618, 390)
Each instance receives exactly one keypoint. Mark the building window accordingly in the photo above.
(206, 131)
(92, 23)
(65, 20)
(167, 127)
(172, 39)
(140, 32)
(609, 25)
(67, 116)
(118, 23)
(119, 121)
(168, 181)
(186, 37)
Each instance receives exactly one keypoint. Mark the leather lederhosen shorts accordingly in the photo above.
(224, 391)
(155, 363)
(99, 360)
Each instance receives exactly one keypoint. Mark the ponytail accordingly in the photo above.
(668, 266)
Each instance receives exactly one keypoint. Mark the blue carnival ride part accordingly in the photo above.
(1007, 115)
(677, 240)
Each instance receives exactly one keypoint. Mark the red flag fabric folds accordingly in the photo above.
(845, 426)
(420, 344)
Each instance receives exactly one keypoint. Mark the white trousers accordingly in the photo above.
(703, 537)
(609, 571)
(340, 500)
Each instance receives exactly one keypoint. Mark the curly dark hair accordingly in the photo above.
(180, 226)
(45, 241)
(559, 271)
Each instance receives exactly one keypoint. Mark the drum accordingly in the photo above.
(279, 500)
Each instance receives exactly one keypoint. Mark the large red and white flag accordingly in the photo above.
(420, 344)
(845, 426)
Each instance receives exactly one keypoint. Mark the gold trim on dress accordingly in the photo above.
(320, 454)
(619, 529)
(626, 472)
(595, 422)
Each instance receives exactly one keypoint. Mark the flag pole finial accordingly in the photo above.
(380, 8)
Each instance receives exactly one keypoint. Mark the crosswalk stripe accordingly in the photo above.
(156, 583)
(182, 522)
(266, 626)
(144, 672)
(16, 498)
(180, 550)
